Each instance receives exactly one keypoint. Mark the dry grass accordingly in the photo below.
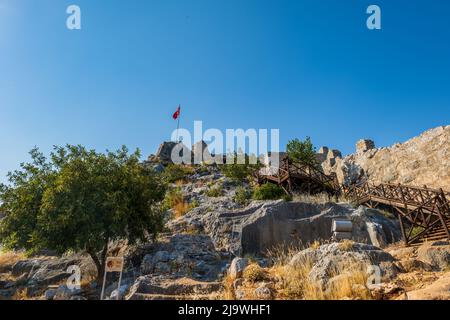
(175, 200)
(254, 273)
(348, 279)
(8, 258)
(320, 198)
(282, 254)
(346, 245)
(21, 294)
(348, 282)
(315, 245)
(181, 208)
(228, 288)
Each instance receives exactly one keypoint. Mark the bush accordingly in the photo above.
(175, 172)
(269, 191)
(302, 151)
(239, 172)
(254, 273)
(242, 196)
(215, 191)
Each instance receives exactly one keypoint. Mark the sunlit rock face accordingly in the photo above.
(422, 160)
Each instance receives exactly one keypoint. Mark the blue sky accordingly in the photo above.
(309, 68)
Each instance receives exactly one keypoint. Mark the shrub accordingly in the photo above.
(215, 191)
(254, 273)
(238, 172)
(176, 172)
(269, 191)
(242, 196)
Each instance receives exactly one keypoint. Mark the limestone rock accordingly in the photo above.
(146, 286)
(422, 160)
(183, 255)
(166, 151)
(201, 153)
(263, 292)
(438, 290)
(436, 254)
(334, 256)
(237, 267)
(364, 145)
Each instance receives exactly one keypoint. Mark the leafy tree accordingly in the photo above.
(239, 171)
(302, 151)
(80, 200)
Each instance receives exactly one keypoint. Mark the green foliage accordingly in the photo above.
(173, 197)
(215, 191)
(241, 167)
(242, 196)
(80, 200)
(175, 172)
(302, 151)
(269, 191)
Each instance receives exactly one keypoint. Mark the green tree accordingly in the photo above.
(242, 166)
(80, 200)
(302, 151)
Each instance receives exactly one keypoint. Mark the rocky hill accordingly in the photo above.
(422, 160)
(220, 243)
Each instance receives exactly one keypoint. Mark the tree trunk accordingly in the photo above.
(99, 262)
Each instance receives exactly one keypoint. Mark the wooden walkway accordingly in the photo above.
(423, 213)
(293, 176)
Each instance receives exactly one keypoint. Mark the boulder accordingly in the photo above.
(438, 290)
(263, 292)
(329, 259)
(237, 267)
(147, 286)
(436, 254)
(364, 145)
(411, 265)
(184, 255)
(64, 293)
(50, 294)
(275, 223)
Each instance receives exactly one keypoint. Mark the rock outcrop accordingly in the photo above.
(423, 160)
(264, 225)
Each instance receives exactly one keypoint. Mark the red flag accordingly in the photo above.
(177, 113)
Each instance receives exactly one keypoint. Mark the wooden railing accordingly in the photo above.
(423, 213)
(290, 173)
(423, 209)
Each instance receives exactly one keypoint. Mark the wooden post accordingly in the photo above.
(443, 206)
(402, 227)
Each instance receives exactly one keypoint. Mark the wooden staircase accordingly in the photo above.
(296, 176)
(423, 208)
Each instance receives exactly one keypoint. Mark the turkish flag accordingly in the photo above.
(177, 113)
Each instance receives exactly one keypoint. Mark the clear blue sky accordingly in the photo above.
(307, 67)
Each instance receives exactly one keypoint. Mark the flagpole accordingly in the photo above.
(178, 123)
